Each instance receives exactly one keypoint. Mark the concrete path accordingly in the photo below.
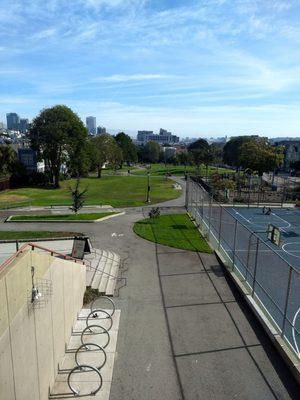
(219, 349)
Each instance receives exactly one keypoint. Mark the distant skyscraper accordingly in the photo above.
(91, 125)
(101, 130)
(24, 125)
(13, 121)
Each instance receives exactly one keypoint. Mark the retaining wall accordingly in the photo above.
(32, 341)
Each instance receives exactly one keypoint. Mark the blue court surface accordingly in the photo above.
(287, 220)
(271, 272)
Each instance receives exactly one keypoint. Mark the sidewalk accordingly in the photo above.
(220, 350)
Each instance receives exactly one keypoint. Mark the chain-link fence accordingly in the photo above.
(273, 283)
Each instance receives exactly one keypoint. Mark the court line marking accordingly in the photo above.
(242, 216)
(290, 252)
(288, 224)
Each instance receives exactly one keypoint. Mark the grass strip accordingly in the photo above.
(62, 217)
(174, 230)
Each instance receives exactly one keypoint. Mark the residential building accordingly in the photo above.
(28, 158)
(291, 152)
(164, 137)
(13, 121)
(101, 130)
(24, 125)
(91, 125)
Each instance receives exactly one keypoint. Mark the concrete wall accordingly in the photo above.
(32, 341)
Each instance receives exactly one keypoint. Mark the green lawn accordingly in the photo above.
(174, 230)
(62, 217)
(10, 235)
(178, 170)
(118, 191)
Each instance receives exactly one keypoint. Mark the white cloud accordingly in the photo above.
(46, 33)
(134, 77)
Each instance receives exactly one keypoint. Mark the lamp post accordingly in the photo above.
(148, 188)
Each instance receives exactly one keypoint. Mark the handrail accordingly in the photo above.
(33, 246)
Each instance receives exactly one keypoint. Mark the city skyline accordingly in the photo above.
(206, 69)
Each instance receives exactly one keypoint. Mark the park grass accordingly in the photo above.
(117, 191)
(62, 217)
(178, 170)
(174, 230)
(11, 235)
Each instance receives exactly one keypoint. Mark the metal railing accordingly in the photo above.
(32, 246)
(272, 282)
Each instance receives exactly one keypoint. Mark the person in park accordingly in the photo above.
(267, 211)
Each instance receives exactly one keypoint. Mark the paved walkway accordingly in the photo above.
(220, 351)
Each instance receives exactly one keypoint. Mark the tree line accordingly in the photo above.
(60, 138)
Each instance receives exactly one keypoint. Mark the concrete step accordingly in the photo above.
(98, 265)
(105, 276)
(103, 272)
(112, 280)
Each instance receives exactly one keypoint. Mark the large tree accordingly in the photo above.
(104, 149)
(151, 152)
(59, 136)
(232, 149)
(8, 159)
(128, 148)
(260, 156)
(199, 150)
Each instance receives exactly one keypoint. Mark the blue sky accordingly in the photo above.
(197, 68)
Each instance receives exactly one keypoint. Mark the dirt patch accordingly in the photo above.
(13, 198)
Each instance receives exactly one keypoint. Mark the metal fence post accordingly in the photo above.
(255, 267)
(234, 245)
(209, 213)
(220, 227)
(286, 301)
(187, 193)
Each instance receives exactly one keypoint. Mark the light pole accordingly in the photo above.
(148, 188)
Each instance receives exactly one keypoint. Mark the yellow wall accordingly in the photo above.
(32, 341)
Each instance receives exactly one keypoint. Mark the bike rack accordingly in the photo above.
(89, 330)
(104, 298)
(84, 368)
(94, 316)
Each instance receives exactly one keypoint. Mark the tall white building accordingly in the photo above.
(91, 125)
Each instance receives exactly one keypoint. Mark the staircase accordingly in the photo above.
(102, 271)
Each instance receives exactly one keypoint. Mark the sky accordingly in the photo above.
(197, 68)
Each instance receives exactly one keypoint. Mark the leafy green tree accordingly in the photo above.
(116, 157)
(128, 148)
(104, 149)
(260, 156)
(208, 157)
(8, 159)
(151, 152)
(199, 150)
(58, 135)
(232, 149)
